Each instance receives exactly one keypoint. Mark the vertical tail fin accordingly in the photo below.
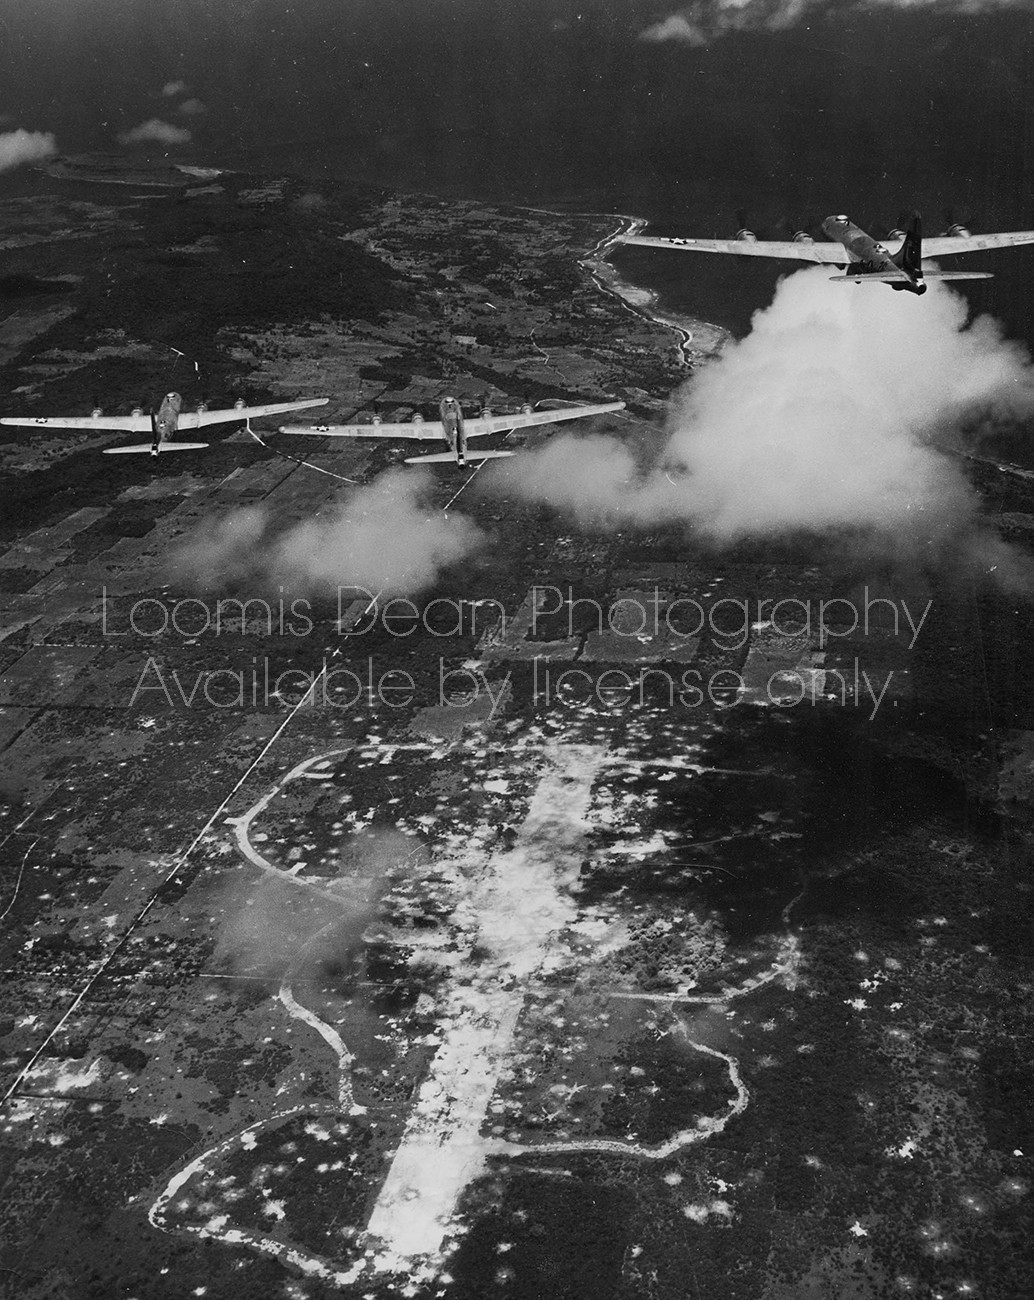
(910, 256)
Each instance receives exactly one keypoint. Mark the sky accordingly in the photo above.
(539, 95)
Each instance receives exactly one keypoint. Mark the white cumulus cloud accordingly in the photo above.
(173, 88)
(383, 537)
(18, 147)
(703, 21)
(192, 108)
(156, 131)
(678, 27)
(827, 418)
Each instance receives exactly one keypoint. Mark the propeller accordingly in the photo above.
(799, 231)
(904, 221)
(154, 434)
(900, 226)
(960, 229)
(743, 230)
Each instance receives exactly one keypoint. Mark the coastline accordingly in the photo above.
(698, 340)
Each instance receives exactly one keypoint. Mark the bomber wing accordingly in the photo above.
(475, 426)
(142, 423)
(480, 425)
(426, 430)
(120, 423)
(945, 245)
(798, 250)
(198, 419)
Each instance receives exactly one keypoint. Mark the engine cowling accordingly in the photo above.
(486, 413)
(417, 418)
(957, 231)
(746, 235)
(896, 233)
(136, 411)
(96, 413)
(802, 237)
(202, 407)
(527, 408)
(377, 419)
(239, 404)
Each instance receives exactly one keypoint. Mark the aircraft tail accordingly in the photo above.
(910, 255)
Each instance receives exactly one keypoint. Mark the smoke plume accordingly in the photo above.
(384, 538)
(21, 146)
(703, 21)
(822, 418)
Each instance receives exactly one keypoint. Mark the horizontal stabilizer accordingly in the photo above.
(957, 275)
(449, 457)
(876, 277)
(147, 448)
(881, 277)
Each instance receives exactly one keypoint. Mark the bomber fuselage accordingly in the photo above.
(869, 255)
(452, 425)
(167, 417)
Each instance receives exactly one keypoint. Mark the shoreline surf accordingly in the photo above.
(698, 339)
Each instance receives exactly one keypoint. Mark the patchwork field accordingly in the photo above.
(644, 921)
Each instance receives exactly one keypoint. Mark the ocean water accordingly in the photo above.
(872, 109)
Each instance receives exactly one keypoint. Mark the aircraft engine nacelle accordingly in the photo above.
(96, 413)
(957, 231)
(239, 404)
(202, 407)
(137, 410)
(486, 413)
(802, 237)
(378, 419)
(896, 233)
(527, 408)
(746, 235)
(417, 418)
